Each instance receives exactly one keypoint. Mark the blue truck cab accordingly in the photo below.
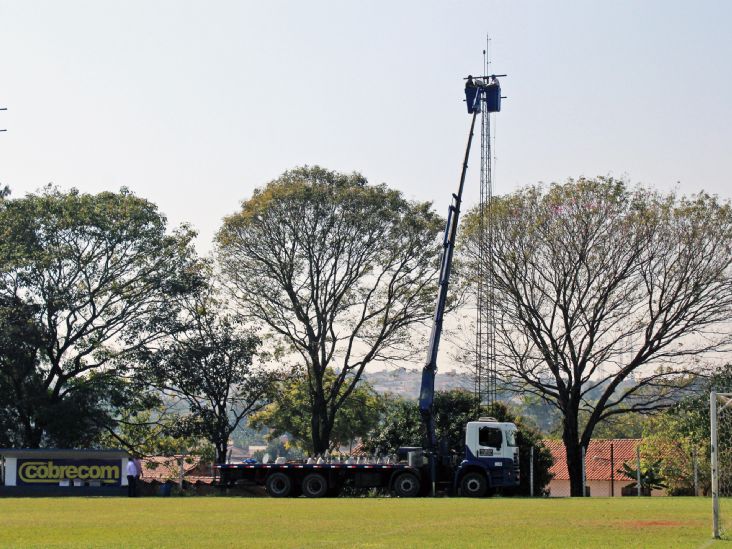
(491, 457)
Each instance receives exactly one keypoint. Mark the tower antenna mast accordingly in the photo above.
(485, 338)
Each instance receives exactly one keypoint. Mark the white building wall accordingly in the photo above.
(559, 488)
(602, 488)
(598, 488)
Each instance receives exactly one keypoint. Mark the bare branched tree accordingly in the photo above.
(336, 268)
(607, 298)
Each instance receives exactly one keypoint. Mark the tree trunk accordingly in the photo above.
(315, 430)
(31, 427)
(221, 450)
(570, 437)
(321, 430)
(33, 438)
(32, 431)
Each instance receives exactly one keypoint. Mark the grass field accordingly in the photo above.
(370, 522)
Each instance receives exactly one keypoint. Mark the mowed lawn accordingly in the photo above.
(368, 522)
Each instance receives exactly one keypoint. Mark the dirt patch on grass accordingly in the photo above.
(659, 523)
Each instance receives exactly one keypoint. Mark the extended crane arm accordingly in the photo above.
(427, 391)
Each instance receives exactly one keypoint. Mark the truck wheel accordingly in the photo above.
(279, 485)
(474, 485)
(314, 485)
(406, 485)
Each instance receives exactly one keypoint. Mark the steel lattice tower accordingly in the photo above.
(485, 337)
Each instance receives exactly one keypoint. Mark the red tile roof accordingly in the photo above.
(597, 458)
(163, 469)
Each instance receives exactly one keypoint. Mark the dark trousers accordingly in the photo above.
(131, 486)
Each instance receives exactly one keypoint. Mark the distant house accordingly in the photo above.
(163, 469)
(603, 458)
(254, 448)
(235, 453)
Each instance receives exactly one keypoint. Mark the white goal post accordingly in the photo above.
(718, 404)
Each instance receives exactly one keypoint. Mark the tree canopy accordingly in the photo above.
(338, 270)
(208, 363)
(605, 296)
(681, 435)
(88, 279)
(290, 414)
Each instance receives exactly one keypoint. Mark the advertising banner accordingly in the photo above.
(39, 471)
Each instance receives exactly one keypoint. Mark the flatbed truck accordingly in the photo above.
(490, 461)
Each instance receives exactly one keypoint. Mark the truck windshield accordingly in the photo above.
(490, 436)
(511, 438)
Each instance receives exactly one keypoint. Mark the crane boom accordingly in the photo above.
(427, 390)
(482, 95)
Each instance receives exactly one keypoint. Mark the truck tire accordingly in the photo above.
(279, 485)
(407, 485)
(314, 485)
(474, 485)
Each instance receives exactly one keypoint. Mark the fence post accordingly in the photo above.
(637, 472)
(531, 471)
(612, 471)
(715, 464)
(584, 473)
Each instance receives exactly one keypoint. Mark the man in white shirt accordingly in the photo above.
(131, 478)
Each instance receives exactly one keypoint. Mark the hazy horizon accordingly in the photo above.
(194, 104)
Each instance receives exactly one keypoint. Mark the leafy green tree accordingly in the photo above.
(675, 439)
(21, 337)
(338, 270)
(209, 363)
(528, 437)
(94, 275)
(650, 476)
(680, 436)
(155, 431)
(291, 411)
(400, 424)
(603, 292)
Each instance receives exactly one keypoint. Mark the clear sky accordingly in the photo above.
(193, 104)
